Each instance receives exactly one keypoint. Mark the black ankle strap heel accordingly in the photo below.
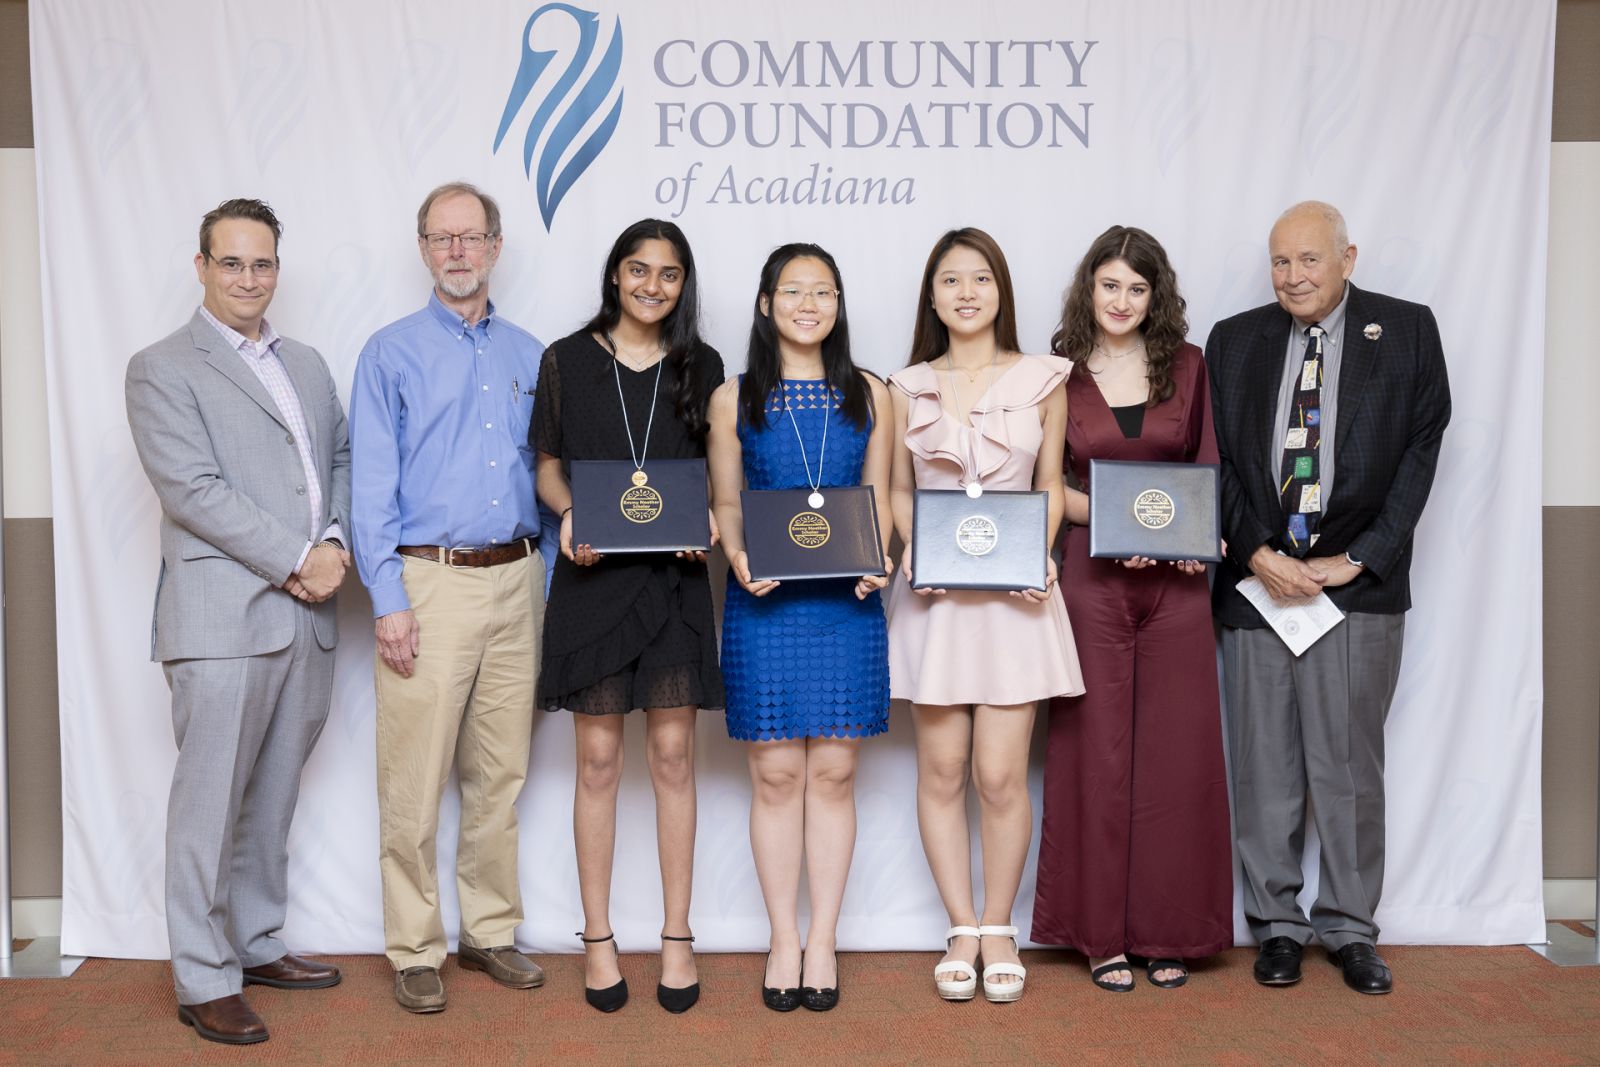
(611, 997)
(680, 1000)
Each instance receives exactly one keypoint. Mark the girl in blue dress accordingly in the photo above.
(804, 663)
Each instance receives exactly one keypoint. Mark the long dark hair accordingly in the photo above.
(763, 371)
(931, 338)
(680, 330)
(1165, 326)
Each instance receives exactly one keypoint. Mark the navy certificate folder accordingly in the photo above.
(997, 541)
(614, 511)
(1155, 510)
(786, 538)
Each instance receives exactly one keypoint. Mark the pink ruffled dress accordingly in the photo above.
(972, 646)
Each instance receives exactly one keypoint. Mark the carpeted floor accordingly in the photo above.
(1451, 1005)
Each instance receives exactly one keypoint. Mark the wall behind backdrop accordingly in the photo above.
(868, 129)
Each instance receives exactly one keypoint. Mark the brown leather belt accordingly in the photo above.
(492, 556)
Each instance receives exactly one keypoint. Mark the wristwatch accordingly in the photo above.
(1354, 562)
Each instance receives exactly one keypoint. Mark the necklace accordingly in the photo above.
(632, 364)
(639, 476)
(815, 499)
(1115, 357)
(974, 487)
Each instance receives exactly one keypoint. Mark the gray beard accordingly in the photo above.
(460, 289)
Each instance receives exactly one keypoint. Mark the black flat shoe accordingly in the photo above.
(1364, 970)
(778, 999)
(816, 999)
(678, 999)
(1166, 964)
(1278, 963)
(611, 997)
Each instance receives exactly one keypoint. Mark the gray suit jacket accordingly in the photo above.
(232, 489)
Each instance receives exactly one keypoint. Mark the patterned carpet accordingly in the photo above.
(1451, 1005)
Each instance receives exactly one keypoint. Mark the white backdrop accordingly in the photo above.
(1044, 122)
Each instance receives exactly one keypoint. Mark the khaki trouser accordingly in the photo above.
(469, 701)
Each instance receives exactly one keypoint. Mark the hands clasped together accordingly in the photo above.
(320, 576)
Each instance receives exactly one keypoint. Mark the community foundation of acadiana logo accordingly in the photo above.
(563, 113)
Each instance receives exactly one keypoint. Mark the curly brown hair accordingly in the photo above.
(1166, 326)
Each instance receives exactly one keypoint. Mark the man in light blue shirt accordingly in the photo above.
(448, 541)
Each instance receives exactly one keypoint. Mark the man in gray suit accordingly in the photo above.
(242, 436)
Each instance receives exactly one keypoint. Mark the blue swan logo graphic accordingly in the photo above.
(551, 186)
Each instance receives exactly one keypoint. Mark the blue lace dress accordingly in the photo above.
(808, 659)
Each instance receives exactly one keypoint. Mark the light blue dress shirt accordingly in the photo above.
(439, 454)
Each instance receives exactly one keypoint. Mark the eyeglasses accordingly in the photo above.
(471, 242)
(261, 268)
(823, 297)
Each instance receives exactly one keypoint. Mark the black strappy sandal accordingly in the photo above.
(1099, 973)
(1152, 966)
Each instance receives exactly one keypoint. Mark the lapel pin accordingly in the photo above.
(1373, 331)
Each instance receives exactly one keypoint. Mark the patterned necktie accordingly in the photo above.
(1301, 488)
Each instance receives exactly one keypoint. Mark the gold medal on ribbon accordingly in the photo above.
(640, 477)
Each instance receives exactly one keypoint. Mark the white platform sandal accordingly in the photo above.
(965, 987)
(1002, 992)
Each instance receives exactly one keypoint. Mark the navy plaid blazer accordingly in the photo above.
(1394, 403)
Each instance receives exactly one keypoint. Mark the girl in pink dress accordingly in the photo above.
(971, 409)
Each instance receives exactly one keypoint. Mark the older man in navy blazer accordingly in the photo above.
(1330, 407)
(242, 436)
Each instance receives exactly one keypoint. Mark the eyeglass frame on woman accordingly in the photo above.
(824, 296)
(470, 242)
(232, 265)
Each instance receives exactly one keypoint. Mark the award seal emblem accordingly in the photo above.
(976, 535)
(641, 504)
(1153, 508)
(809, 530)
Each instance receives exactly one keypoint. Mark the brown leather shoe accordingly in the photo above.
(226, 1019)
(504, 964)
(419, 990)
(292, 972)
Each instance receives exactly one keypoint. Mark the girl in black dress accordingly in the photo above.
(630, 631)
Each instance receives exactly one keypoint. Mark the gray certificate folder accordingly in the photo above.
(612, 513)
(997, 541)
(1156, 510)
(786, 538)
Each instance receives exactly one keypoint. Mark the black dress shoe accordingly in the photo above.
(1279, 961)
(1364, 969)
(612, 996)
(778, 999)
(677, 999)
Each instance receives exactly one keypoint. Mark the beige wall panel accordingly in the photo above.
(35, 731)
(1571, 371)
(1576, 114)
(1571, 690)
(22, 396)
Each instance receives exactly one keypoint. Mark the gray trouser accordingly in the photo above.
(244, 729)
(1311, 729)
